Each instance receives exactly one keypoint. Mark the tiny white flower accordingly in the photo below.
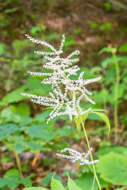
(56, 100)
(60, 66)
(74, 156)
(79, 85)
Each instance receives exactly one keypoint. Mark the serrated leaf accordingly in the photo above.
(7, 129)
(72, 185)
(14, 96)
(113, 168)
(85, 182)
(26, 181)
(115, 149)
(2, 182)
(110, 76)
(34, 146)
(41, 118)
(112, 60)
(107, 62)
(56, 185)
(11, 173)
(43, 132)
(46, 180)
(12, 178)
(65, 131)
(20, 146)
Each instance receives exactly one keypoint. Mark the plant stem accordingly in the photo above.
(116, 98)
(104, 97)
(91, 156)
(18, 164)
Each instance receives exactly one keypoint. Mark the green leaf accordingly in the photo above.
(104, 118)
(12, 178)
(69, 42)
(106, 26)
(107, 62)
(107, 6)
(113, 168)
(123, 48)
(94, 25)
(101, 96)
(2, 182)
(35, 188)
(14, 96)
(34, 146)
(51, 36)
(21, 109)
(20, 145)
(56, 185)
(65, 131)
(36, 29)
(112, 60)
(87, 182)
(11, 173)
(115, 149)
(19, 46)
(41, 118)
(43, 132)
(27, 181)
(72, 185)
(46, 180)
(78, 121)
(7, 11)
(77, 30)
(3, 48)
(7, 129)
(35, 87)
(108, 50)
(7, 115)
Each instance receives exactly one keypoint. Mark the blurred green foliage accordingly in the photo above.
(23, 125)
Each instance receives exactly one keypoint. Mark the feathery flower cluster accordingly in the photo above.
(66, 93)
(74, 156)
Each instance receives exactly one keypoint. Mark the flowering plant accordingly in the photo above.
(67, 94)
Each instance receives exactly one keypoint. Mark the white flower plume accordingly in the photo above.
(66, 94)
(74, 156)
(58, 65)
(61, 103)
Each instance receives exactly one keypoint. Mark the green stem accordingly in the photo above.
(18, 164)
(91, 156)
(104, 96)
(116, 99)
(93, 184)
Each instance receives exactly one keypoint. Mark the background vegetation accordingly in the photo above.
(27, 144)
